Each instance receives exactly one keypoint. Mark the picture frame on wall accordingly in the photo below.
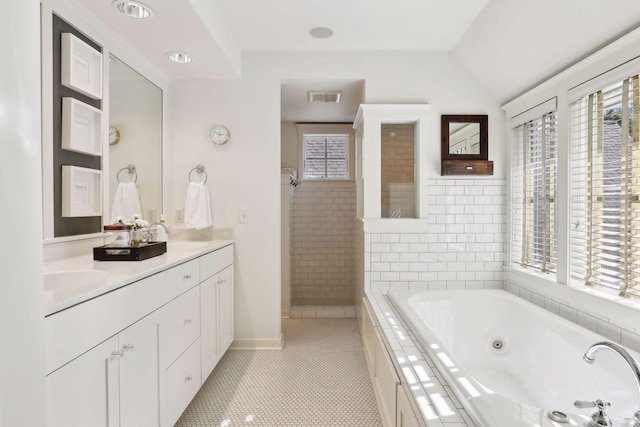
(81, 127)
(81, 67)
(81, 191)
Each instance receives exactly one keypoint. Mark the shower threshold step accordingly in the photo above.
(322, 312)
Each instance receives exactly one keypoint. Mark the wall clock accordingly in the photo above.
(219, 134)
(114, 135)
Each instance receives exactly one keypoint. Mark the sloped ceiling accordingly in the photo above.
(514, 45)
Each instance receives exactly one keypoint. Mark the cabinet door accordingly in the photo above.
(139, 403)
(225, 309)
(404, 413)
(208, 326)
(84, 392)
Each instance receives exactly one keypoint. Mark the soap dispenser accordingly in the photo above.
(161, 232)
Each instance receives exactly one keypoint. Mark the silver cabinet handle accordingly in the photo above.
(187, 276)
(187, 320)
(117, 354)
(127, 347)
(221, 281)
(188, 378)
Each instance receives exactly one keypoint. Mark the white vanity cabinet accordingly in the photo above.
(216, 307)
(113, 384)
(179, 354)
(85, 391)
(132, 356)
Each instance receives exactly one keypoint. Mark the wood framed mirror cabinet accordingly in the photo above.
(465, 145)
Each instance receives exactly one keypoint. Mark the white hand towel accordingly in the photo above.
(126, 202)
(197, 208)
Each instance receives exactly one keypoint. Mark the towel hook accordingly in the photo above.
(199, 169)
(131, 169)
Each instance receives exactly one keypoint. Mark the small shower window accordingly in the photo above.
(326, 156)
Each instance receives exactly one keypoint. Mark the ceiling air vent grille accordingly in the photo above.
(316, 96)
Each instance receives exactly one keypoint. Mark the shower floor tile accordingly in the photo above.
(319, 378)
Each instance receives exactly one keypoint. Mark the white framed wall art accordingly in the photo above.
(81, 191)
(81, 124)
(81, 68)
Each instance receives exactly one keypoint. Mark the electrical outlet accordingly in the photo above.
(244, 216)
(180, 216)
(152, 215)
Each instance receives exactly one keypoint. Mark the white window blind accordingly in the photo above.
(326, 156)
(605, 188)
(533, 198)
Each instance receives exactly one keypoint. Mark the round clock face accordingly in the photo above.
(219, 134)
(114, 135)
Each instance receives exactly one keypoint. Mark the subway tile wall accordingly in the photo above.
(463, 247)
(322, 255)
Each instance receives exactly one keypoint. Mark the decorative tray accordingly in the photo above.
(129, 253)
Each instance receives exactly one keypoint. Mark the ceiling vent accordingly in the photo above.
(317, 96)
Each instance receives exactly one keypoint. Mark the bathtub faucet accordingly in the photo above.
(590, 357)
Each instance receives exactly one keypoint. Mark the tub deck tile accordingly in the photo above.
(431, 393)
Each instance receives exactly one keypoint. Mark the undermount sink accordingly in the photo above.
(72, 279)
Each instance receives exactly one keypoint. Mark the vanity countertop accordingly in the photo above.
(120, 273)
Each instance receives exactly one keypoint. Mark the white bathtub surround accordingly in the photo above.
(460, 245)
(538, 368)
(611, 316)
(322, 312)
(432, 396)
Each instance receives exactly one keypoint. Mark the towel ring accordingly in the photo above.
(200, 170)
(131, 169)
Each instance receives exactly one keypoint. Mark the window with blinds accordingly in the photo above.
(326, 156)
(533, 197)
(605, 188)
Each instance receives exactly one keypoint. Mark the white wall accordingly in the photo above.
(245, 172)
(21, 296)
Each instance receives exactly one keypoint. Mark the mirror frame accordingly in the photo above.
(481, 119)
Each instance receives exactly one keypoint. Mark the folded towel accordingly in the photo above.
(126, 202)
(197, 208)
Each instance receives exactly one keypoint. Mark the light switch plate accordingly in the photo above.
(180, 216)
(244, 216)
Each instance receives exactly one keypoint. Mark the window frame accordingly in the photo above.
(345, 138)
(605, 268)
(534, 124)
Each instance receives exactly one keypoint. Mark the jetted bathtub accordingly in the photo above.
(510, 362)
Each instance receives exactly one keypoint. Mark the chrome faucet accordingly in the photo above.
(590, 357)
(150, 236)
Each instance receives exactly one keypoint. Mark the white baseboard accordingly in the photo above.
(264, 344)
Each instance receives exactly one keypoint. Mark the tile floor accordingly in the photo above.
(320, 378)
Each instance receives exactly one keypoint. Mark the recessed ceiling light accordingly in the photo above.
(318, 96)
(180, 57)
(321, 32)
(132, 9)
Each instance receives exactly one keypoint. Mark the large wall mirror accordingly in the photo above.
(135, 138)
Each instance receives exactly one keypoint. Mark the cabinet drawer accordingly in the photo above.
(182, 277)
(216, 261)
(182, 381)
(179, 325)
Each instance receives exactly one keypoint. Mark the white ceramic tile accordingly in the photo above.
(310, 382)
(587, 321)
(610, 331)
